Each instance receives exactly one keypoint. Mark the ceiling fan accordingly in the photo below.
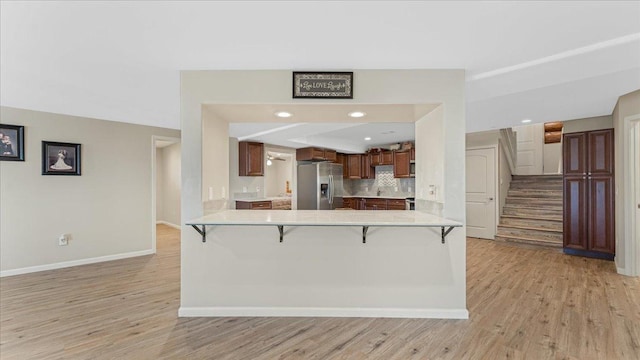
(271, 157)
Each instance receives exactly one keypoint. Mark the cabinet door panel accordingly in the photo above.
(401, 163)
(575, 213)
(387, 158)
(600, 157)
(251, 158)
(367, 171)
(601, 215)
(575, 154)
(355, 166)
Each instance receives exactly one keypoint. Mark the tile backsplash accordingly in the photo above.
(384, 181)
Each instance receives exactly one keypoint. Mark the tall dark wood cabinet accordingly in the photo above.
(589, 194)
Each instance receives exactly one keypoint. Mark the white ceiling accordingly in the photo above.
(343, 137)
(384, 124)
(121, 60)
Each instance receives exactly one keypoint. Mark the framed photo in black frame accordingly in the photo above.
(11, 142)
(60, 158)
(322, 85)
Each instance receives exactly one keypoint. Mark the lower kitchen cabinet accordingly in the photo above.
(374, 204)
(253, 205)
(396, 204)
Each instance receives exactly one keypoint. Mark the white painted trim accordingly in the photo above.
(322, 312)
(631, 236)
(66, 264)
(168, 224)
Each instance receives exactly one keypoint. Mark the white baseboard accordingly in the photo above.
(169, 224)
(71, 263)
(322, 312)
(623, 271)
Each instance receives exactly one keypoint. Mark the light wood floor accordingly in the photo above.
(524, 303)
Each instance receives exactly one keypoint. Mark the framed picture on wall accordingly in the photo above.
(11, 142)
(60, 158)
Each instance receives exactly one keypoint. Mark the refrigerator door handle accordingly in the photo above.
(330, 189)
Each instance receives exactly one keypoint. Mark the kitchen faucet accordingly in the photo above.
(379, 192)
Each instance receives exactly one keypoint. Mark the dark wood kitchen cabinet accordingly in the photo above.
(354, 164)
(402, 164)
(375, 204)
(251, 158)
(384, 157)
(253, 205)
(396, 204)
(340, 159)
(351, 203)
(588, 204)
(317, 154)
(368, 172)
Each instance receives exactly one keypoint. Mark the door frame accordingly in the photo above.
(631, 157)
(496, 187)
(154, 219)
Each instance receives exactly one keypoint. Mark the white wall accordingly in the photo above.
(430, 152)
(238, 184)
(107, 210)
(552, 156)
(482, 138)
(168, 184)
(323, 271)
(587, 124)
(214, 153)
(276, 176)
(627, 108)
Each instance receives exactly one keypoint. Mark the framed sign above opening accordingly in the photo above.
(323, 85)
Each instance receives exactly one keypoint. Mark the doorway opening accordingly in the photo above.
(165, 184)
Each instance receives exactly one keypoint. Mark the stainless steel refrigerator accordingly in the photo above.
(319, 186)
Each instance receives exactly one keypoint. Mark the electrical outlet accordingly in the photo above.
(63, 240)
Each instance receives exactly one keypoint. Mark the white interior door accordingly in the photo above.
(530, 140)
(481, 193)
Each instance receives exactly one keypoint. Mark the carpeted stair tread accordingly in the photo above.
(533, 217)
(520, 227)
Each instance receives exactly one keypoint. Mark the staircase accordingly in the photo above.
(532, 213)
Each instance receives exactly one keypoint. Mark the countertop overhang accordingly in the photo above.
(364, 218)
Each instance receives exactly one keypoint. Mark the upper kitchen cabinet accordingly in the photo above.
(354, 164)
(251, 158)
(368, 172)
(402, 164)
(384, 157)
(317, 154)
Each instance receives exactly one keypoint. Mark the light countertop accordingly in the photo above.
(264, 199)
(377, 197)
(324, 218)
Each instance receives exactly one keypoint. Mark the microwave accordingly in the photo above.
(412, 169)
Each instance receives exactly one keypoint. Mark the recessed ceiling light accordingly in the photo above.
(357, 114)
(367, 138)
(283, 114)
(526, 121)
